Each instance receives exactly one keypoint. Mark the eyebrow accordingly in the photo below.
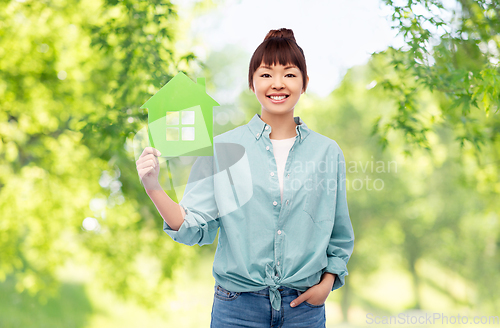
(288, 67)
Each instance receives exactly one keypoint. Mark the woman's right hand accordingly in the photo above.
(148, 168)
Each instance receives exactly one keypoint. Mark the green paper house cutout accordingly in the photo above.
(180, 118)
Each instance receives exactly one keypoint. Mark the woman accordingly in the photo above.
(276, 190)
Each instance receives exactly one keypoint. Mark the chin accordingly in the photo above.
(278, 111)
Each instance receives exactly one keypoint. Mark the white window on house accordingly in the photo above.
(180, 129)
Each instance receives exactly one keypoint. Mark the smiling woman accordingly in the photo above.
(284, 240)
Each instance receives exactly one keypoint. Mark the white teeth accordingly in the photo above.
(277, 98)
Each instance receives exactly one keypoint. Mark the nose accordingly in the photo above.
(278, 82)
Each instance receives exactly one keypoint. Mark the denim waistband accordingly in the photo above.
(284, 291)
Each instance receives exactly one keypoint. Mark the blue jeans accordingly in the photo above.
(253, 309)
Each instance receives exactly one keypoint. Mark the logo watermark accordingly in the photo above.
(330, 175)
(425, 318)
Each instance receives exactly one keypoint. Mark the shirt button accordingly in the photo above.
(278, 262)
(267, 147)
(275, 203)
(288, 175)
(279, 232)
(257, 134)
(287, 201)
(267, 128)
(272, 174)
(292, 148)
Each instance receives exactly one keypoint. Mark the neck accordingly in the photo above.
(282, 125)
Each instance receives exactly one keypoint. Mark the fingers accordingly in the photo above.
(149, 153)
(311, 296)
(150, 150)
(143, 172)
(147, 163)
(302, 296)
(297, 301)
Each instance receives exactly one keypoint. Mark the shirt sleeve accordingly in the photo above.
(202, 220)
(341, 243)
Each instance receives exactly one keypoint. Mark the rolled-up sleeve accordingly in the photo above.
(201, 221)
(341, 243)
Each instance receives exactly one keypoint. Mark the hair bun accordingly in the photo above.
(281, 33)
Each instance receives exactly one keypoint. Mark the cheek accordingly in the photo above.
(261, 93)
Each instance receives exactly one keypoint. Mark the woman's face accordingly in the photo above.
(284, 83)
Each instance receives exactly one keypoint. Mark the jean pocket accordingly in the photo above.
(309, 304)
(314, 306)
(224, 294)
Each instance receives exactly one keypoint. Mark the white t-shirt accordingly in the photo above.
(281, 149)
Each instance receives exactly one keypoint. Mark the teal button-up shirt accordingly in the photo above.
(264, 242)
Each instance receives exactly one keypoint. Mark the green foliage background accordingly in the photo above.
(72, 77)
(418, 127)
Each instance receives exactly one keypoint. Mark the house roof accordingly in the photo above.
(179, 93)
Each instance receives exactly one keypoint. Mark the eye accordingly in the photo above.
(264, 74)
(291, 75)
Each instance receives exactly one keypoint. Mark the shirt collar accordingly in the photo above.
(257, 127)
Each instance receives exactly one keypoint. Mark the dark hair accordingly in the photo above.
(279, 46)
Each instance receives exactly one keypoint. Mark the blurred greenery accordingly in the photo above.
(71, 80)
(70, 308)
(457, 57)
(418, 128)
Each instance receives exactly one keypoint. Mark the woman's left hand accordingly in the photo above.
(315, 295)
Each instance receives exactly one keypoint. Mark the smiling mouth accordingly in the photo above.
(278, 97)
